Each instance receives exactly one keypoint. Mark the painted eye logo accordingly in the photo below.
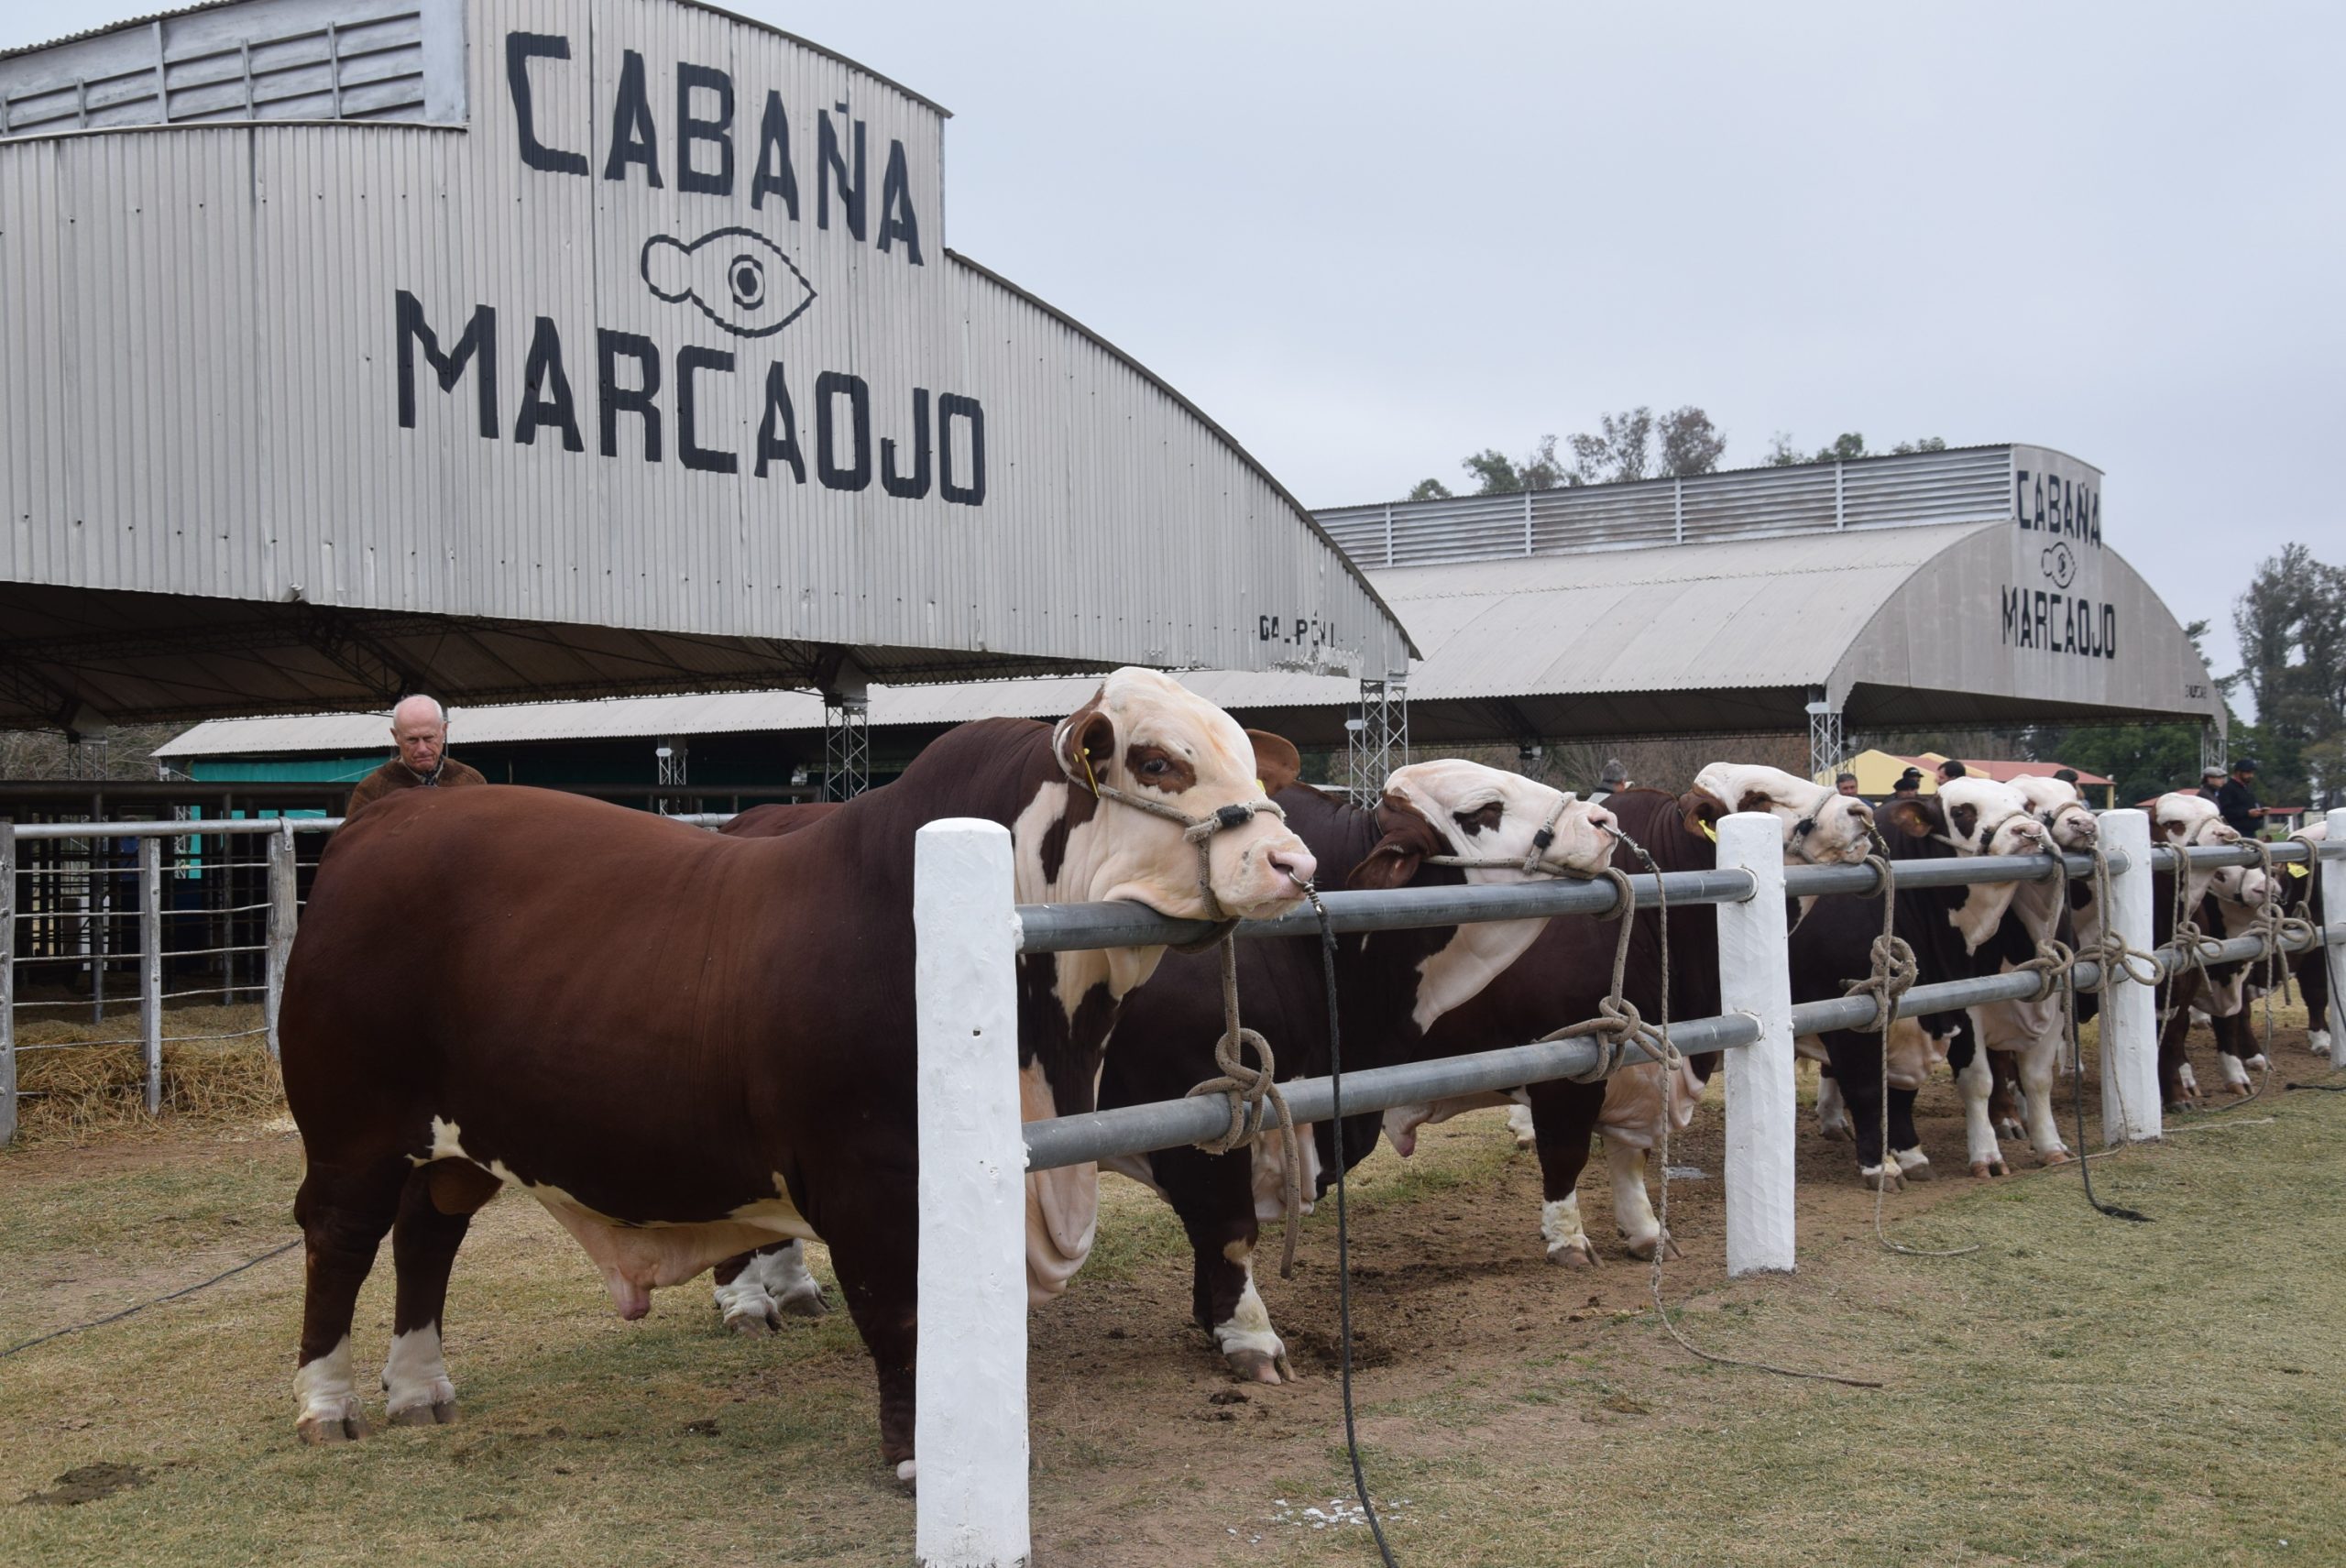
(738, 278)
(2060, 564)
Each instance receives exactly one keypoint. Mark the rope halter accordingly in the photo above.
(1533, 862)
(1618, 1025)
(1197, 830)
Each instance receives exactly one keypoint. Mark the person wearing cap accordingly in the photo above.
(1909, 785)
(1613, 776)
(2211, 782)
(1847, 783)
(2237, 800)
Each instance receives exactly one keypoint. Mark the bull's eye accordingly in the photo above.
(1156, 767)
(747, 280)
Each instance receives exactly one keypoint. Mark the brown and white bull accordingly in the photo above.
(2181, 821)
(685, 1045)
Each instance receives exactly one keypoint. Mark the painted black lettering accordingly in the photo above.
(689, 452)
(2012, 612)
(633, 137)
(2044, 617)
(896, 220)
(912, 486)
(950, 407)
(773, 173)
(2109, 632)
(2040, 505)
(2097, 519)
(778, 430)
(2019, 496)
(545, 392)
(519, 50)
(1263, 628)
(831, 171)
(481, 337)
(613, 400)
(691, 128)
(836, 475)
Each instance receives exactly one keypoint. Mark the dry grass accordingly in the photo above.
(2078, 1392)
(76, 1093)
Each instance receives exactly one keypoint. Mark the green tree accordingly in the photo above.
(1496, 473)
(2291, 623)
(1430, 491)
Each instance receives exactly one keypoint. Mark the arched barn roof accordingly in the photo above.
(1894, 621)
(353, 346)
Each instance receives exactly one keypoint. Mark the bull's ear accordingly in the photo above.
(1277, 762)
(1917, 818)
(1700, 811)
(1087, 743)
(1407, 838)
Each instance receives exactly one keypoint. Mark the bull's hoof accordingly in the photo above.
(347, 1427)
(1915, 1166)
(908, 1474)
(440, 1415)
(2318, 1042)
(2011, 1129)
(1984, 1169)
(810, 1305)
(2055, 1156)
(1885, 1179)
(1837, 1128)
(1641, 1247)
(1260, 1366)
(1577, 1253)
(753, 1325)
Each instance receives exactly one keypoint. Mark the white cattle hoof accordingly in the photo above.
(1576, 1253)
(1984, 1169)
(2057, 1154)
(342, 1424)
(2010, 1127)
(1887, 1179)
(1252, 1366)
(2258, 1063)
(754, 1322)
(2190, 1081)
(2318, 1042)
(1642, 1247)
(435, 1415)
(804, 1303)
(1915, 1164)
(1518, 1121)
(908, 1473)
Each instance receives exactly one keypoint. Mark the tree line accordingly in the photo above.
(1637, 443)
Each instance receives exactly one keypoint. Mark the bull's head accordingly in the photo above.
(1821, 826)
(1974, 816)
(2057, 805)
(2246, 887)
(1464, 811)
(1146, 736)
(2185, 821)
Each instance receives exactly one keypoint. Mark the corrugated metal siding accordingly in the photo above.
(1969, 484)
(211, 313)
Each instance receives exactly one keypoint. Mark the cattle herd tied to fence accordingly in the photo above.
(916, 1025)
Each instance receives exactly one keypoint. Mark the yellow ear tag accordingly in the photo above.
(1267, 789)
(1087, 775)
(1710, 832)
(2296, 870)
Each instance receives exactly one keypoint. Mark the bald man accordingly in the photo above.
(420, 728)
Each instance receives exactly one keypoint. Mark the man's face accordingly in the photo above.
(421, 739)
(1847, 787)
(2244, 774)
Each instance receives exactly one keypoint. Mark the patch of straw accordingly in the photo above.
(76, 1093)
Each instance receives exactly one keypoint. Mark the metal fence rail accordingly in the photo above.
(167, 902)
(970, 1429)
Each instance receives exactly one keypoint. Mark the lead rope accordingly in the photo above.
(1894, 970)
(1249, 1090)
(2054, 961)
(1344, 1242)
(1671, 1062)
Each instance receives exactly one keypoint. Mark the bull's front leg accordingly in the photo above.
(1633, 1203)
(754, 1290)
(2039, 1063)
(1214, 1194)
(1564, 1117)
(1856, 1067)
(2178, 1086)
(1975, 1081)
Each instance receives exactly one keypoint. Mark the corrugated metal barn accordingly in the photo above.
(506, 349)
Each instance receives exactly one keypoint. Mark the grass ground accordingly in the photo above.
(2078, 1391)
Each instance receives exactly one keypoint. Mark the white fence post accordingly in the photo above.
(2333, 911)
(284, 915)
(2129, 1022)
(969, 1424)
(1755, 978)
(7, 982)
(150, 969)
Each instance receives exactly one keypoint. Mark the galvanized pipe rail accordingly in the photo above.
(970, 1430)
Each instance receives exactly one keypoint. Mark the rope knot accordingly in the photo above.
(1250, 1090)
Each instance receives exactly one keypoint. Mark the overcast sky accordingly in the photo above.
(1368, 239)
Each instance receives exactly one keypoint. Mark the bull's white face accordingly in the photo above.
(1487, 815)
(2246, 887)
(2057, 805)
(2190, 822)
(1984, 818)
(1821, 827)
(1150, 736)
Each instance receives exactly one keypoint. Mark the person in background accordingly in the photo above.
(1847, 783)
(1950, 771)
(2211, 782)
(2237, 800)
(2066, 775)
(1909, 785)
(419, 730)
(1611, 777)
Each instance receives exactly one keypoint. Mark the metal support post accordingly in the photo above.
(2130, 1023)
(2333, 912)
(7, 981)
(847, 745)
(2211, 749)
(150, 969)
(969, 1385)
(1824, 736)
(1755, 979)
(284, 916)
(1377, 738)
